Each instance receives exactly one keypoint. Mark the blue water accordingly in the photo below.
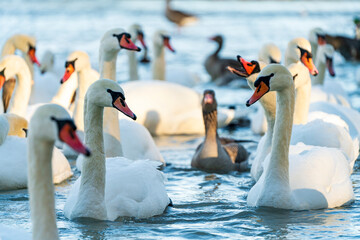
(205, 205)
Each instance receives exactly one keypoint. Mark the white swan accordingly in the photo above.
(161, 70)
(269, 53)
(310, 177)
(50, 123)
(138, 144)
(328, 91)
(323, 129)
(121, 187)
(136, 33)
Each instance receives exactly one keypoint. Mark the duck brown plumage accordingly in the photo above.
(217, 66)
(180, 18)
(215, 154)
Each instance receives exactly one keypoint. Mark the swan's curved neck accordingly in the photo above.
(41, 189)
(84, 82)
(159, 67)
(91, 196)
(302, 103)
(65, 92)
(111, 118)
(321, 67)
(133, 67)
(21, 95)
(279, 159)
(108, 65)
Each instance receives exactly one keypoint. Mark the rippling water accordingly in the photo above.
(205, 205)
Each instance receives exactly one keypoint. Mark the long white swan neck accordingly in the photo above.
(111, 118)
(279, 159)
(29, 63)
(302, 103)
(91, 196)
(133, 66)
(21, 96)
(66, 91)
(85, 79)
(41, 189)
(159, 67)
(321, 67)
(108, 65)
(9, 48)
(314, 49)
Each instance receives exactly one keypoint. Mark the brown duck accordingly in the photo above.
(178, 17)
(217, 66)
(219, 155)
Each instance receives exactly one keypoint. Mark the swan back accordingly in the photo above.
(17, 125)
(269, 53)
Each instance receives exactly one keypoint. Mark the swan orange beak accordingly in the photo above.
(68, 135)
(68, 71)
(248, 66)
(308, 62)
(330, 67)
(208, 98)
(32, 55)
(2, 78)
(121, 105)
(167, 44)
(260, 91)
(125, 42)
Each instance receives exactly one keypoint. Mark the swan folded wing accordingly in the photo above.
(135, 190)
(317, 170)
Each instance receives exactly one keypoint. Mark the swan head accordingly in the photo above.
(270, 53)
(10, 66)
(299, 49)
(107, 93)
(116, 39)
(137, 33)
(273, 77)
(209, 103)
(51, 123)
(325, 55)
(162, 39)
(250, 70)
(27, 45)
(76, 61)
(317, 36)
(47, 62)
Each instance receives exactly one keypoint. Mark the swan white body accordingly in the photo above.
(307, 178)
(121, 187)
(166, 108)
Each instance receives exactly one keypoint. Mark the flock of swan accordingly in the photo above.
(303, 161)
